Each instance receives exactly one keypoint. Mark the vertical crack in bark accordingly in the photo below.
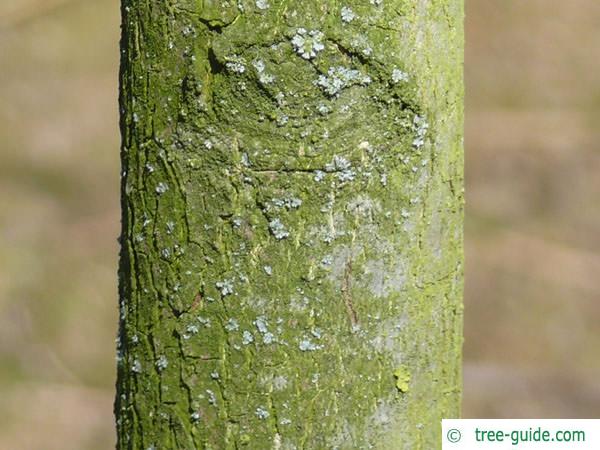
(347, 294)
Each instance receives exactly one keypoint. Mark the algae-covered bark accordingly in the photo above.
(291, 266)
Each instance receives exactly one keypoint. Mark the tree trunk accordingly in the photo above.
(291, 265)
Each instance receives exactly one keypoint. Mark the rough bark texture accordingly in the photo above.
(291, 267)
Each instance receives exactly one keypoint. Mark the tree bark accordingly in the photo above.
(291, 264)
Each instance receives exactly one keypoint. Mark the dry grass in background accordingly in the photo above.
(533, 245)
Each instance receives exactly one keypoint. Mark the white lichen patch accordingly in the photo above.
(225, 287)
(232, 325)
(259, 65)
(269, 338)
(205, 321)
(277, 442)
(280, 383)
(361, 44)
(289, 202)
(364, 206)
(308, 43)
(235, 67)
(263, 77)
(398, 75)
(281, 119)
(188, 30)
(136, 367)
(247, 338)
(162, 363)
(339, 78)
(261, 324)
(245, 159)
(261, 413)
(307, 345)
(326, 261)
(323, 109)
(170, 227)
(278, 229)
(262, 4)
(342, 168)
(420, 127)
(212, 398)
(161, 188)
(347, 14)
(191, 329)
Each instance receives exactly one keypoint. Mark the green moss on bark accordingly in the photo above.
(292, 224)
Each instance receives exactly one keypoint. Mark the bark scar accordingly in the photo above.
(198, 302)
(347, 295)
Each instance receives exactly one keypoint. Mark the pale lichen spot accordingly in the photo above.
(306, 345)
(288, 202)
(263, 77)
(136, 367)
(212, 398)
(247, 338)
(269, 338)
(261, 413)
(236, 67)
(420, 127)
(204, 321)
(339, 78)
(261, 324)
(347, 14)
(280, 383)
(364, 206)
(278, 229)
(191, 329)
(162, 363)
(262, 4)
(398, 75)
(225, 287)
(307, 43)
(161, 188)
(232, 325)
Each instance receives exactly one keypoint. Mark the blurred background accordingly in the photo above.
(532, 323)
